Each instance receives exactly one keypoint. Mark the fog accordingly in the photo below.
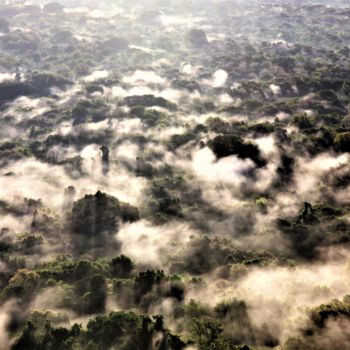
(188, 159)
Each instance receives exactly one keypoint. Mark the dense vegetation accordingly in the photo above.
(174, 175)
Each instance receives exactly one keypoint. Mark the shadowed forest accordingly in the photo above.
(174, 175)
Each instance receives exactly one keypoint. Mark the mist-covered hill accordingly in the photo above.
(174, 175)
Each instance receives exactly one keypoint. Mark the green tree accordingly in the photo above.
(121, 266)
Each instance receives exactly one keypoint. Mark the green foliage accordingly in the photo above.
(14, 150)
(22, 285)
(328, 95)
(179, 140)
(262, 202)
(96, 214)
(164, 203)
(205, 254)
(147, 101)
(30, 243)
(124, 330)
(150, 117)
(302, 121)
(147, 280)
(121, 266)
(196, 310)
(206, 334)
(262, 128)
(335, 309)
(303, 230)
(219, 225)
